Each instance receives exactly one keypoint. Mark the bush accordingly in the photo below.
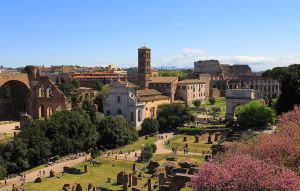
(197, 103)
(149, 126)
(240, 172)
(171, 116)
(212, 101)
(147, 152)
(254, 115)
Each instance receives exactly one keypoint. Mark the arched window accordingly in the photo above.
(50, 91)
(41, 111)
(49, 111)
(42, 91)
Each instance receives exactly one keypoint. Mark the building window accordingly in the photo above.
(119, 112)
(119, 99)
(108, 113)
(139, 115)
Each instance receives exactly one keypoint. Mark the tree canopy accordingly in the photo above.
(149, 126)
(171, 116)
(254, 115)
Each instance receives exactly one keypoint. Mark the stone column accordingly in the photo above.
(134, 181)
(125, 182)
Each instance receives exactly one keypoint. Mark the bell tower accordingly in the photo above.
(144, 67)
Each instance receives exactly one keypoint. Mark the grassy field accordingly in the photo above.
(96, 175)
(220, 102)
(161, 158)
(177, 142)
(136, 145)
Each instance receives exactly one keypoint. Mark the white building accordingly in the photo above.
(123, 100)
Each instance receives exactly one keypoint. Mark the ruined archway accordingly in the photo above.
(14, 100)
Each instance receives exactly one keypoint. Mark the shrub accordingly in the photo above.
(241, 172)
(197, 103)
(149, 126)
(147, 152)
(254, 115)
(212, 101)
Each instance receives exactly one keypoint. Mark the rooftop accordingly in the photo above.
(164, 79)
(191, 81)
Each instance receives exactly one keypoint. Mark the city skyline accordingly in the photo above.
(97, 33)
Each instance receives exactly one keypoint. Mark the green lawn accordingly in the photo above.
(136, 145)
(96, 175)
(177, 142)
(161, 158)
(220, 102)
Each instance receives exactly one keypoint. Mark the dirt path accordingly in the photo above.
(30, 177)
(160, 144)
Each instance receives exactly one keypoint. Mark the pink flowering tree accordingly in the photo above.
(280, 148)
(243, 173)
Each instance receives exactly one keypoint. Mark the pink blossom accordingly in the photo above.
(243, 173)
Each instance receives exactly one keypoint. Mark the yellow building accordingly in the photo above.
(152, 99)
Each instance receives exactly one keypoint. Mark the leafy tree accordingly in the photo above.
(67, 87)
(147, 152)
(149, 126)
(197, 103)
(212, 101)
(171, 116)
(182, 74)
(70, 132)
(99, 100)
(254, 115)
(115, 132)
(290, 86)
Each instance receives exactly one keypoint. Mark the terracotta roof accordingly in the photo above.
(163, 79)
(150, 94)
(191, 81)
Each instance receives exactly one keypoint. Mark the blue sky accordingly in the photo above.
(262, 33)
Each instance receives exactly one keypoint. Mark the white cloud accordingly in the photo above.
(188, 56)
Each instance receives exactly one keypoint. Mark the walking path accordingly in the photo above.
(30, 177)
(9, 127)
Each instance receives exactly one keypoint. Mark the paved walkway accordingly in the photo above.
(30, 177)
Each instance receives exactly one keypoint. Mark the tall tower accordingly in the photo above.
(144, 67)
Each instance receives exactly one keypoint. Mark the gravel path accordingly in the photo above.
(30, 177)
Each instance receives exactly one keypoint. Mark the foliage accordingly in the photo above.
(149, 126)
(70, 132)
(197, 103)
(171, 116)
(215, 111)
(290, 90)
(103, 93)
(241, 172)
(248, 135)
(212, 101)
(281, 148)
(147, 152)
(254, 115)
(95, 152)
(181, 74)
(68, 86)
(3, 170)
(115, 132)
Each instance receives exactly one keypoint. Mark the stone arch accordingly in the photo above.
(49, 111)
(42, 113)
(14, 99)
(236, 97)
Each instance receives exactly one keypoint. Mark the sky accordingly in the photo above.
(261, 33)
